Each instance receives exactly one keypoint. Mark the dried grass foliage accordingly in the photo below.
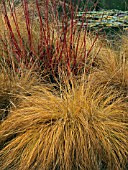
(112, 69)
(80, 130)
(13, 85)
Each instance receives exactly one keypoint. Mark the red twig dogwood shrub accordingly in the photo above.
(51, 42)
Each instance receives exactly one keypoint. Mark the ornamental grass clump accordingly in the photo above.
(111, 68)
(79, 129)
(13, 86)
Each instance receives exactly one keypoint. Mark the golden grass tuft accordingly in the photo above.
(13, 86)
(80, 130)
(124, 45)
(112, 68)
